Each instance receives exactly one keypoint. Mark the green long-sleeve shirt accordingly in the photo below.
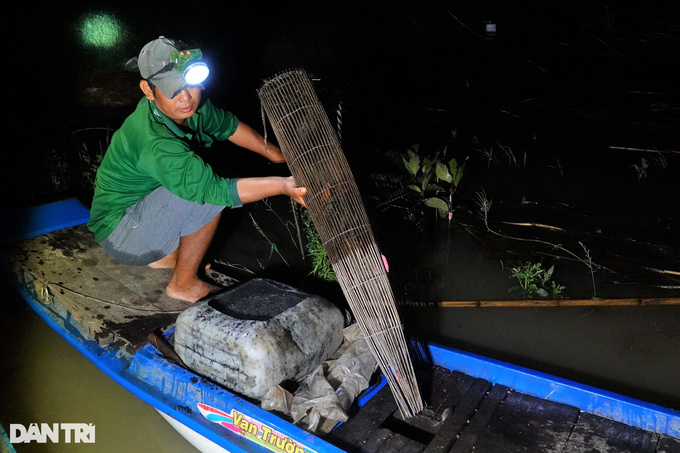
(149, 151)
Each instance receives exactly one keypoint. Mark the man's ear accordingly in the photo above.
(144, 85)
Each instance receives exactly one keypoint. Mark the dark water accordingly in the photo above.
(559, 85)
(628, 350)
(45, 380)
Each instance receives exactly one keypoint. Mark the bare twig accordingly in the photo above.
(297, 228)
(670, 151)
(635, 302)
(237, 266)
(271, 209)
(538, 225)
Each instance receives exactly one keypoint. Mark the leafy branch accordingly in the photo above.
(321, 264)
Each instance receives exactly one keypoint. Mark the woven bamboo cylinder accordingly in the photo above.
(313, 154)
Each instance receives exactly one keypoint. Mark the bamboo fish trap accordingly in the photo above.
(316, 161)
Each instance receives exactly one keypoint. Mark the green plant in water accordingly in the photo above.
(641, 169)
(60, 172)
(484, 206)
(90, 165)
(535, 281)
(431, 181)
(660, 160)
(321, 264)
(72, 166)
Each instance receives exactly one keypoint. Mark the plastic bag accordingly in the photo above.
(316, 399)
(325, 395)
(277, 399)
(351, 372)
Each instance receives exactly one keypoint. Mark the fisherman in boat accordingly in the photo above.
(156, 202)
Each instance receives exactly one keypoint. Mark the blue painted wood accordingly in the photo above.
(5, 446)
(630, 411)
(30, 222)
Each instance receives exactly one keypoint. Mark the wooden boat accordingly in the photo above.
(106, 310)
(5, 445)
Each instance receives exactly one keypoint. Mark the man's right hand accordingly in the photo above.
(291, 189)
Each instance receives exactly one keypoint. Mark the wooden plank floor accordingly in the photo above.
(107, 302)
(465, 415)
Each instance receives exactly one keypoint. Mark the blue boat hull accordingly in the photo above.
(236, 425)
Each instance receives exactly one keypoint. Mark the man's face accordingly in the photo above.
(179, 108)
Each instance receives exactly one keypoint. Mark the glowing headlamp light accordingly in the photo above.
(195, 71)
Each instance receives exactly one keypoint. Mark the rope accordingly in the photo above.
(264, 127)
(338, 121)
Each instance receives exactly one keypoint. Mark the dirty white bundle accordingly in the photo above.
(316, 160)
(327, 393)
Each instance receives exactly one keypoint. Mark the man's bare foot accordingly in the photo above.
(192, 292)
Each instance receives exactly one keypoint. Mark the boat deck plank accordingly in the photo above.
(106, 301)
(413, 446)
(456, 421)
(377, 441)
(351, 435)
(453, 390)
(610, 436)
(396, 444)
(437, 388)
(528, 424)
(478, 424)
(668, 444)
(489, 419)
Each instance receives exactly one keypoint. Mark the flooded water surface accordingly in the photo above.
(43, 379)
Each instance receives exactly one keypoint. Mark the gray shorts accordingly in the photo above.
(151, 228)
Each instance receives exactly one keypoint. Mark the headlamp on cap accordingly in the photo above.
(195, 71)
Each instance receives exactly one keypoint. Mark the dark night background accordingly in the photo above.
(564, 79)
(560, 84)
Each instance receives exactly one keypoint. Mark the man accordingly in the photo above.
(156, 202)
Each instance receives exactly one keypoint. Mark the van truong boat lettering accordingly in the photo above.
(253, 430)
(73, 432)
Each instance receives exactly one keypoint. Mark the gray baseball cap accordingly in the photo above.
(156, 66)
